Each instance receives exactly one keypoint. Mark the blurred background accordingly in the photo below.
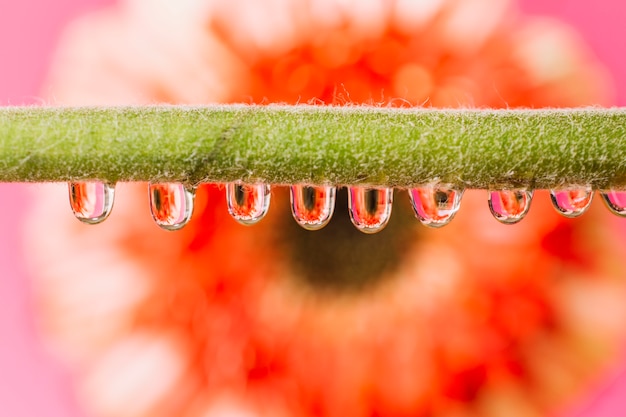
(33, 383)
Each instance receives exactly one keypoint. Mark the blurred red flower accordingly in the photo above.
(476, 319)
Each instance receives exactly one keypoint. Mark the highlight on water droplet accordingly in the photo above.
(312, 207)
(91, 201)
(571, 202)
(248, 203)
(615, 201)
(509, 206)
(435, 205)
(370, 208)
(171, 205)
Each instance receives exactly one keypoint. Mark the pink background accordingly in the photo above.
(31, 384)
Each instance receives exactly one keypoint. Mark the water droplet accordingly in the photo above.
(91, 201)
(435, 205)
(615, 201)
(171, 205)
(572, 202)
(370, 208)
(312, 207)
(509, 206)
(248, 203)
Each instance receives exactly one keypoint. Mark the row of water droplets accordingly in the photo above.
(171, 204)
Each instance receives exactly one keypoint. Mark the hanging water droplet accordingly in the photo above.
(370, 208)
(435, 205)
(91, 201)
(509, 206)
(171, 205)
(312, 207)
(573, 202)
(248, 203)
(615, 201)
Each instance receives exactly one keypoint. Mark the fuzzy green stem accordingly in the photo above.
(316, 145)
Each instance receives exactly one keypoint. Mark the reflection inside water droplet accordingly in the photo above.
(171, 205)
(312, 207)
(248, 203)
(370, 208)
(509, 206)
(435, 205)
(572, 202)
(91, 201)
(615, 201)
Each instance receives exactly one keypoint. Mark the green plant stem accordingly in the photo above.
(316, 145)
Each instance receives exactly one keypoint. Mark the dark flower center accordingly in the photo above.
(339, 257)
